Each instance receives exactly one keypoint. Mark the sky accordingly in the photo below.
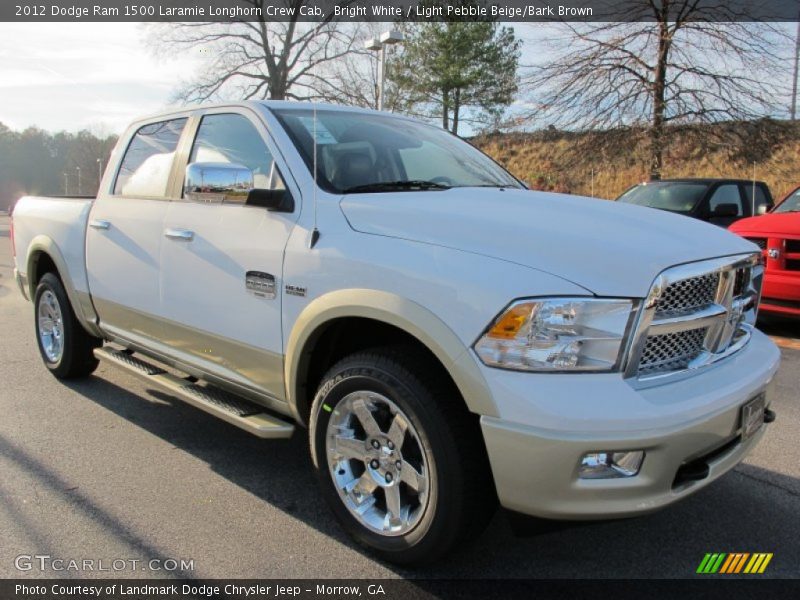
(73, 76)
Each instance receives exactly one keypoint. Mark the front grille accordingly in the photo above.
(671, 351)
(793, 246)
(760, 242)
(696, 317)
(792, 264)
(689, 294)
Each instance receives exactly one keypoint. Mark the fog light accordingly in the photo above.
(611, 465)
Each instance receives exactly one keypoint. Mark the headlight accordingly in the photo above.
(558, 334)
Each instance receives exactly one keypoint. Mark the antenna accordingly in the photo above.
(315, 231)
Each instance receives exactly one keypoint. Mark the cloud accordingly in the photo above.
(73, 75)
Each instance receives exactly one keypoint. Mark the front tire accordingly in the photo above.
(399, 458)
(66, 347)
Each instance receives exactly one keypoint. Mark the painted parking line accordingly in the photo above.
(784, 342)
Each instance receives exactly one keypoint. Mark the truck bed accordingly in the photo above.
(61, 219)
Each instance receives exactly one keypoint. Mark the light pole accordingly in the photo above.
(66, 183)
(99, 173)
(794, 78)
(387, 38)
(78, 169)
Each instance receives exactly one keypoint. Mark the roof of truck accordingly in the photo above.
(708, 180)
(256, 104)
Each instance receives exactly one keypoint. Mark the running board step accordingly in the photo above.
(229, 407)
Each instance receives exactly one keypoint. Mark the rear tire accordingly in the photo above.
(409, 478)
(66, 347)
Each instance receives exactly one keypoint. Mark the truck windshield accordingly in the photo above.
(361, 152)
(674, 196)
(791, 204)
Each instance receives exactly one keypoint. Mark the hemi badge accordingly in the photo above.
(295, 290)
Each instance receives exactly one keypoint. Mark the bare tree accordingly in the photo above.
(679, 63)
(257, 59)
(354, 79)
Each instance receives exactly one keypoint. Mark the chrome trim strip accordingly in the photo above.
(702, 318)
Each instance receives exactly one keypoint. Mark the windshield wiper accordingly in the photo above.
(389, 186)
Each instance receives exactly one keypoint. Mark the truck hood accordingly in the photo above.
(609, 248)
(779, 223)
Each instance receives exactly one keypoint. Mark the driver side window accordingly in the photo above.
(726, 194)
(232, 139)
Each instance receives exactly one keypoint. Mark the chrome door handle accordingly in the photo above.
(99, 224)
(179, 234)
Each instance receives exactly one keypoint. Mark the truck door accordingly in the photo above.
(125, 232)
(222, 258)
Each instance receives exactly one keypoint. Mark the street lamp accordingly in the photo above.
(78, 169)
(99, 173)
(387, 38)
(66, 183)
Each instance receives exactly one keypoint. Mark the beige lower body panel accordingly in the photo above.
(536, 471)
(254, 373)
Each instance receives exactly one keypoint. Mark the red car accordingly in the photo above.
(778, 236)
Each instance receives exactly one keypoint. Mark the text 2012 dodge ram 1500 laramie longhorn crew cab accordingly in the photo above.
(448, 337)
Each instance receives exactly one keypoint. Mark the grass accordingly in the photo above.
(605, 164)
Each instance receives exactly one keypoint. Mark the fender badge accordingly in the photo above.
(295, 290)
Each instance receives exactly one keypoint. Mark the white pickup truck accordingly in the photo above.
(449, 338)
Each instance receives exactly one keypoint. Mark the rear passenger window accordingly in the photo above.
(727, 194)
(148, 160)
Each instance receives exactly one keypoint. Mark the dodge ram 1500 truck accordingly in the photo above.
(449, 338)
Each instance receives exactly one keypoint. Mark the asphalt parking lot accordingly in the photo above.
(106, 468)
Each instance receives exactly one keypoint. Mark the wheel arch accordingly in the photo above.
(391, 311)
(45, 256)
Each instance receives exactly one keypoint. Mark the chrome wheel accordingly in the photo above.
(380, 468)
(51, 326)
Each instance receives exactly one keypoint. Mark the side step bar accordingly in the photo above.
(229, 407)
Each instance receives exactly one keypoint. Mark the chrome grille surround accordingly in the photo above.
(680, 329)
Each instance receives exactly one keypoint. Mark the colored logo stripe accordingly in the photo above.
(758, 563)
(721, 562)
(711, 563)
(735, 562)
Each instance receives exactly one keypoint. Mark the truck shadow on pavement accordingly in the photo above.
(747, 510)
(79, 501)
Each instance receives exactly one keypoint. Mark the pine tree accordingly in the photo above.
(457, 70)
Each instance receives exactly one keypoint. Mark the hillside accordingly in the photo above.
(563, 161)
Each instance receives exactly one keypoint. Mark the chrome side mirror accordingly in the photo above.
(217, 182)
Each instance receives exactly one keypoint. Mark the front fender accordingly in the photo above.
(402, 313)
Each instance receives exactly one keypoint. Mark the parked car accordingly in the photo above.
(448, 337)
(718, 201)
(778, 236)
